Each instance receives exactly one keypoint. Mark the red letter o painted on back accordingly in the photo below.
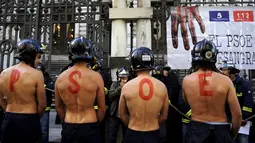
(141, 93)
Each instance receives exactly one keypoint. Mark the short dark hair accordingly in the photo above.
(204, 65)
(74, 61)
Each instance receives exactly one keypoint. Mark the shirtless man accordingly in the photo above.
(144, 101)
(207, 92)
(22, 96)
(76, 90)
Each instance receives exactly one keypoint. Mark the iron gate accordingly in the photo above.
(42, 19)
(39, 19)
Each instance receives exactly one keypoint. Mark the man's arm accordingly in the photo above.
(234, 108)
(164, 111)
(40, 93)
(3, 102)
(183, 91)
(60, 106)
(248, 99)
(100, 98)
(123, 108)
(114, 90)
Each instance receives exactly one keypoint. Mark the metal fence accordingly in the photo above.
(43, 19)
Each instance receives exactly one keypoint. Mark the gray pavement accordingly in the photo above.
(55, 130)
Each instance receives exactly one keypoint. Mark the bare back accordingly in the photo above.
(19, 86)
(145, 97)
(78, 88)
(207, 94)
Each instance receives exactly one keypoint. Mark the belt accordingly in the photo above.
(96, 107)
(187, 114)
(186, 121)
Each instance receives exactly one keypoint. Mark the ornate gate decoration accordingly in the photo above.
(42, 20)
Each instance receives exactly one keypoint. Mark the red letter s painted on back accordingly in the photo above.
(77, 85)
(15, 75)
(203, 83)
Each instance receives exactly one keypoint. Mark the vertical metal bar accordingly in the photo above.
(30, 22)
(163, 29)
(9, 54)
(44, 39)
(131, 30)
(50, 48)
(93, 11)
(101, 34)
(16, 40)
(108, 45)
(37, 21)
(2, 60)
(2, 54)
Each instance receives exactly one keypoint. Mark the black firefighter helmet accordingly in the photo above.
(158, 70)
(142, 59)
(96, 65)
(229, 66)
(205, 51)
(41, 67)
(80, 49)
(27, 50)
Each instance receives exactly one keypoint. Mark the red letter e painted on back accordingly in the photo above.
(71, 79)
(202, 83)
(15, 75)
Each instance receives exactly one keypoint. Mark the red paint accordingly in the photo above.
(141, 93)
(202, 83)
(77, 85)
(243, 16)
(15, 75)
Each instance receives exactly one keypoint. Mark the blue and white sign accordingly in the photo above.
(220, 16)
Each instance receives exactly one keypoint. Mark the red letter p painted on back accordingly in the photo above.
(15, 75)
(203, 83)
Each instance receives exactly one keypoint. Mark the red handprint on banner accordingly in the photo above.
(182, 15)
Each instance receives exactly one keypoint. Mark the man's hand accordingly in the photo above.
(243, 123)
(122, 82)
(182, 15)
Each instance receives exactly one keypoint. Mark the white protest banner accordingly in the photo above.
(232, 29)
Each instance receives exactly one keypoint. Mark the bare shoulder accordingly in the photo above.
(36, 75)
(158, 83)
(2, 77)
(126, 88)
(62, 75)
(4, 72)
(224, 78)
(37, 72)
(97, 76)
(128, 84)
(7, 71)
(187, 79)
